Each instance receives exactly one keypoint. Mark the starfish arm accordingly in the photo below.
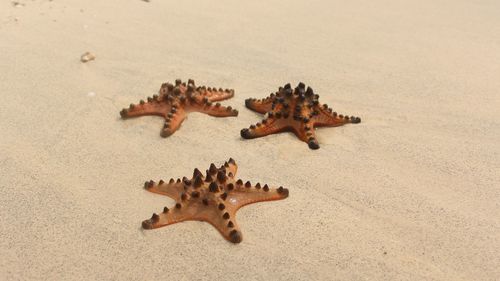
(245, 194)
(260, 106)
(151, 107)
(172, 189)
(327, 118)
(213, 95)
(173, 122)
(222, 219)
(216, 110)
(169, 216)
(268, 127)
(305, 132)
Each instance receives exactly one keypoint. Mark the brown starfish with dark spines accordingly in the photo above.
(297, 110)
(174, 102)
(214, 198)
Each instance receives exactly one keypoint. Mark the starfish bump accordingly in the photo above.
(174, 102)
(214, 198)
(297, 110)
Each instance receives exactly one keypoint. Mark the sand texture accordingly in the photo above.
(411, 193)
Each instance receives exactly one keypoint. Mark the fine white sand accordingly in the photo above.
(411, 193)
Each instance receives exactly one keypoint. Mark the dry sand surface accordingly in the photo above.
(411, 193)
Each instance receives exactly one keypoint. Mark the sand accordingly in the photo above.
(411, 193)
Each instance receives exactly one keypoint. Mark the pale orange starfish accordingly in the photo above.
(174, 102)
(214, 198)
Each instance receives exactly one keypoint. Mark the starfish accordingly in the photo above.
(297, 110)
(174, 103)
(214, 198)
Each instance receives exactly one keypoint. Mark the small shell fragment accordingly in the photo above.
(17, 4)
(87, 56)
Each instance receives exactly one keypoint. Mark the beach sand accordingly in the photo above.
(411, 193)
